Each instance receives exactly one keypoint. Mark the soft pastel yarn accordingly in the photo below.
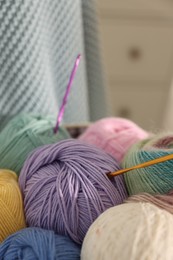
(22, 135)
(65, 187)
(114, 135)
(161, 201)
(130, 231)
(154, 179)
(38, 244)
(11, 205)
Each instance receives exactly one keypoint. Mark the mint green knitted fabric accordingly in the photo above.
(22, 135)
(39, 41)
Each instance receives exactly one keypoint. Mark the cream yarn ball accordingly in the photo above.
(134, 231)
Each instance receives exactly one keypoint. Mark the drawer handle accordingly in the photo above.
(124, 112)
(134, 53)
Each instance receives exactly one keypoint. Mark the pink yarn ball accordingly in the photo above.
(114, 135)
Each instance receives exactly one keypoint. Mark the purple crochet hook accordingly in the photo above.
(61, 111)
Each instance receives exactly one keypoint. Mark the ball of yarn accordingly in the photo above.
(11, 205)
(37, 243)
(22, 135)
(154, 179)
(65, 187)
(162, 201)
(130, 231)
(114, 135)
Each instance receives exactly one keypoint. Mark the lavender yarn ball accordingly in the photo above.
(65, 187)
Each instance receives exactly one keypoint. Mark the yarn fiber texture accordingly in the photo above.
(162, 201)
(154, 179)
(114, 135)
(65, 187)
(22, 135)
(37, 243)
(130, 231)
(11, 205)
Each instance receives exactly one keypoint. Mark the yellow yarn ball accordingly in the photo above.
(130, 231)
(11, 205)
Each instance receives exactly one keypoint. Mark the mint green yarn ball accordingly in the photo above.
(154, 179)
(22, 135)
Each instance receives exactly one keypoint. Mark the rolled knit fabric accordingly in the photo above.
(39, 43)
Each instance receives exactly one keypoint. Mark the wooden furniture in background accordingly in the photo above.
(137, 39)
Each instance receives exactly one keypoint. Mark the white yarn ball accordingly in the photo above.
(134, 231)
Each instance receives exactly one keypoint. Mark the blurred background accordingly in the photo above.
(137, 46)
